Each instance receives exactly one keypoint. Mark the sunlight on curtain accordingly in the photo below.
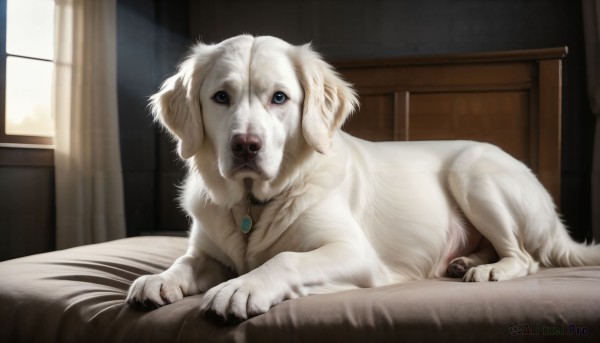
(591, 24)
(89, 186)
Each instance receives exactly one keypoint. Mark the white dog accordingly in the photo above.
(284, 204)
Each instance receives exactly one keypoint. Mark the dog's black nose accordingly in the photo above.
(245, 146)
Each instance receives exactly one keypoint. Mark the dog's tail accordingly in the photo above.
(562, 251)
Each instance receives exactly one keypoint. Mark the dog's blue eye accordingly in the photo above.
(279, 98)
(221, 97)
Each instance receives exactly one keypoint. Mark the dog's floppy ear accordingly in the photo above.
(328, 100)
(177, 104)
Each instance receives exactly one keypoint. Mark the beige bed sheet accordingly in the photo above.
(77, 295)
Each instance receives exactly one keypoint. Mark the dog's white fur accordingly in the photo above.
(338, 212)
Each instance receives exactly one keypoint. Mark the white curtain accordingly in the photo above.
(88, 175)
(591, 24)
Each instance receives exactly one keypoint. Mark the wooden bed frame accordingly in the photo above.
(511, 99)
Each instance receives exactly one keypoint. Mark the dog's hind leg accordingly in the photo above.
(484, 254)
(499, 196)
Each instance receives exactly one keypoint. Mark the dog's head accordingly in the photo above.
(255, 102)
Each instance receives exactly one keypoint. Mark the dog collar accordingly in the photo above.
(247, 222)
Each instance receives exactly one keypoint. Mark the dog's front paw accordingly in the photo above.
(153, 291)
(484, 273)
(239, 299)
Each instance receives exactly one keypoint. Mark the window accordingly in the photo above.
(26, 68)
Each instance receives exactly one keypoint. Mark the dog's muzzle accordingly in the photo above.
(245, 146)
(245, 149)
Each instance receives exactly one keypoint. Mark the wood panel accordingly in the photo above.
(511, 99)
(500, 117)
(379, 127)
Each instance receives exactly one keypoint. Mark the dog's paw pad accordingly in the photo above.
(143, 305)
(457, 268)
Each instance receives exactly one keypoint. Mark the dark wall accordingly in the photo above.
(152, 38)
(377, 28)
(26, 210)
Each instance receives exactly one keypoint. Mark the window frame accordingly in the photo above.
(40, 142)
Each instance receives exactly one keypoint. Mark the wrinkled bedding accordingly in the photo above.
(77, 295)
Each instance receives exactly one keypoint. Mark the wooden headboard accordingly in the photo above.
(510, 98)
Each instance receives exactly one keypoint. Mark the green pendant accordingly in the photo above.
(246, 224)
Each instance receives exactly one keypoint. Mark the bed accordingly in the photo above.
(508, 98)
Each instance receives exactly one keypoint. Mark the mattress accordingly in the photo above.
(77, 295)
